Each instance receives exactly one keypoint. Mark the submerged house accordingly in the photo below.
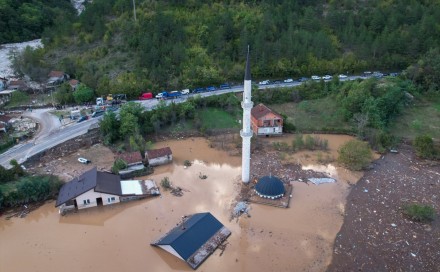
(94, 188)
(159, 156)
(194, 239)
(265, 121)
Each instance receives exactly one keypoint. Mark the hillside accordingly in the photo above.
(23, 20)
(175, 44)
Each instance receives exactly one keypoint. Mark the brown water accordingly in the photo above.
(117, 238)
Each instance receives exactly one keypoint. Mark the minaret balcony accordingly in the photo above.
(247, 105)
(246, 134)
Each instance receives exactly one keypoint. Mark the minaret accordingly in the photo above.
(246, 132)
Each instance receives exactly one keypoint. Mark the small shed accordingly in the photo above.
(73, 84)
(194, 239)
(159, 156)
(131, 158)
(270, 187)
(266, 122)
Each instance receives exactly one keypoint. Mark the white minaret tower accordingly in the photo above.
(246, 132)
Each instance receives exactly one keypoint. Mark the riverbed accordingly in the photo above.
(118, 237)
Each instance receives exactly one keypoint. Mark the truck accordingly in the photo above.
(169, 95)
(146, 96)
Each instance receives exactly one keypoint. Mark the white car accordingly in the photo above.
(316, 77)
(185, 91)
(264, 82)
(342, 76)
(289, 80)
(327, 77)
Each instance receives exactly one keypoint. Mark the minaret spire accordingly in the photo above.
(246, 132)
(247, 74)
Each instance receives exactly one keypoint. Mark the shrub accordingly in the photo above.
(119, 164)
(298, 142)
(419, 213)
(424, 146)
(165, 183)
(355, 155)
(187, 163)
(280, 146)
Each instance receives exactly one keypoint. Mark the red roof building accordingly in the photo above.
(131, 158)
(159, 156)
(265, 121)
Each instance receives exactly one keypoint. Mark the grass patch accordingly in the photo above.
(420, 119)
(213, 118)
(419, 213)
(312, 115)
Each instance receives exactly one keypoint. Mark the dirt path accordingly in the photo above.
(48, 122)
(375, 235)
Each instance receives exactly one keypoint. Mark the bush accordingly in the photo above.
(187, 163)
(424, 146)
(355, 155)
(419, 213)
(165, 183)
(119, 164)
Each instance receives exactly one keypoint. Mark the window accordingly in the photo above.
(113, 199)
(86, 201)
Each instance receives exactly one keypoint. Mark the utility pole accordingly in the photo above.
(134, 10)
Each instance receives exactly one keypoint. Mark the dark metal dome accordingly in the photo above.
(270, 187)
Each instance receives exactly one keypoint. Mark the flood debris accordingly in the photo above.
(202, 176)
(240, 208)
(318, 181)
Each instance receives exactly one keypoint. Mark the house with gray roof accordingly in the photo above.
(194, 239)
(94, 188)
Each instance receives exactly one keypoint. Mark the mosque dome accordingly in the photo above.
(270, 187)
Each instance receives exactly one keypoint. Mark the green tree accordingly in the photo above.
(64, 94)
(83, 94)
(355, 155)
(109, 127)
(138, 143)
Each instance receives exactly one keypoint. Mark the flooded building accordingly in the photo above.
(159, 156)
(194, 239)
(270, 187)
(94, 188)
(266, 122)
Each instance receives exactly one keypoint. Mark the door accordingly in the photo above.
(99, 201)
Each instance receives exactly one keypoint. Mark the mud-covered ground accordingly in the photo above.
(375, 235)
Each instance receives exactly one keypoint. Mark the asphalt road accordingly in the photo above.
(53, 133)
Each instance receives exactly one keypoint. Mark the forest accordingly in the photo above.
(22, 20)
(175, 44)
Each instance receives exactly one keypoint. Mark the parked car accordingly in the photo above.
(98, 113)
(377, 74)
(277, 81)
(199, 90)
(289, 80)
(393, 74)
(303, 79)
(185, 91)
(316, 77)
(225, 86)
(211, 88)
(264, 82)
(82, 118)
(342, 76)
(327, 77)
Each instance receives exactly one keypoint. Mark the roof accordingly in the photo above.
(157, 153)
(131, 157)
(91, 179)
(108, 183)
(73, 82)
(270, 186)
(56, 74)
(188, 238)
(77, 186)
(261, 110)
(5, 118)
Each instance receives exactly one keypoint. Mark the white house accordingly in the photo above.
(159, 156)
(94, 188)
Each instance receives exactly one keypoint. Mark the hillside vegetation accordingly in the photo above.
(175, 44)
(22, 20)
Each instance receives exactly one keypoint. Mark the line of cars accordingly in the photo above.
(176, 94)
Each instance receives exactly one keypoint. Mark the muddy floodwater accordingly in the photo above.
(118, 237)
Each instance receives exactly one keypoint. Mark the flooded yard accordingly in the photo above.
(118, 237)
